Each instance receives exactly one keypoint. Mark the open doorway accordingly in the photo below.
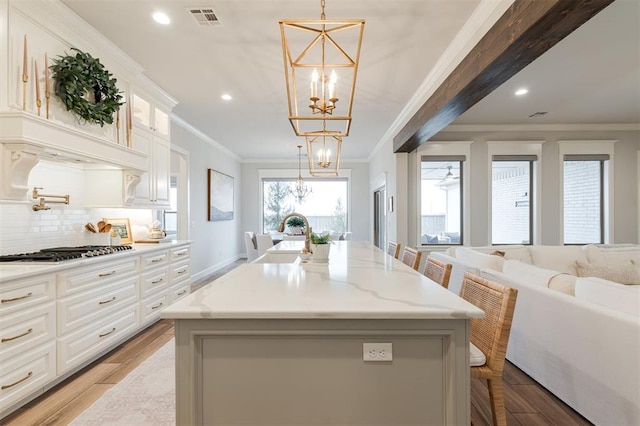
(379, 229)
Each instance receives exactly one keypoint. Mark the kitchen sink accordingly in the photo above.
(277, 258)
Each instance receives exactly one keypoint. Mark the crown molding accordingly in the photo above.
(188, 127)
(591, 127)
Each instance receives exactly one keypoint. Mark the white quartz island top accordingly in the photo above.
(360, 281)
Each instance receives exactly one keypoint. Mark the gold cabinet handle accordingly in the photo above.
(182, 253)
(8, 339)
(18, 382)
(102, 302)
(16, 298)
(157, 306)
(182, 272)
(182, 292)
(157, 281)
(106, 274)
(157, 260)
(107, 333)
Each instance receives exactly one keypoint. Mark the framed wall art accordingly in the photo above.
(220, 196)
(122, 228)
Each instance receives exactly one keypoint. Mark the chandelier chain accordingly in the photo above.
(322, 16)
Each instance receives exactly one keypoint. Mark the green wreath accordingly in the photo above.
(78, 76)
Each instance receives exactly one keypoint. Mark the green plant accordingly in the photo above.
(77, 75)
(320, 238)
(295, 222)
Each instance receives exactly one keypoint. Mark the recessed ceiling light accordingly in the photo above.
(161, 18)
(521, 92)
(226, 97)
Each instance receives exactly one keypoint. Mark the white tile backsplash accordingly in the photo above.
(23, 230)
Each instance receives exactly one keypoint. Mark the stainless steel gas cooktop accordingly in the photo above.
(59, 254)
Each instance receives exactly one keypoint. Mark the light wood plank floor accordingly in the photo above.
(527, 402)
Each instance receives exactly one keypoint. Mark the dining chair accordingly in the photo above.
(411, 257)
(393, 249)
(264, 242)
(437, 271)
(250, 246)
(490, 335)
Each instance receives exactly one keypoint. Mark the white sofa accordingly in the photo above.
(577, 336)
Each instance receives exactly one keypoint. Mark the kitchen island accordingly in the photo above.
(286, 343)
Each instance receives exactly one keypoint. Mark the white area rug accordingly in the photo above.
(146, 396)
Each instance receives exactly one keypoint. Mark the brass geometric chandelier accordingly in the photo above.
(321, 64)
(323, 153)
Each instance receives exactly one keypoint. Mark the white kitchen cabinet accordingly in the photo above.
(153, 188)
(148, 116)
(55, 322)
(27, 337)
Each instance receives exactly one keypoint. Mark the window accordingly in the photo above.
(325, 206)
(512, 199)
(583, 193)
(441, 200)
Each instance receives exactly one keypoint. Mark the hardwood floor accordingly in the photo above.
(527, 402)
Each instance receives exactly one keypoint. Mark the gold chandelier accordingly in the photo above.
(300, 191)
(321, 71)
(323, 153)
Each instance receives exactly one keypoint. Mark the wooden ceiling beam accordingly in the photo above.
(523, 33)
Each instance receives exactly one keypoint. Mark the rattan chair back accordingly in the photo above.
(411, 257)
(491, 334)
(437, 271)
(393, 249)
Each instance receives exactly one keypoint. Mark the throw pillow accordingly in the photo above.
(497, 253)
(626, 273)
(479, 260)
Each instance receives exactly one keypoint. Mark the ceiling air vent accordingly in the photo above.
(204, 16)
(538, 114)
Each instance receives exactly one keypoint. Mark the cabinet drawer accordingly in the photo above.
(155, 259)
(22, 294)
(180, 253)
(22, 331)
(154, 281)
(88, 276)
(152, 306)
(80, 345)
(180, 272)
(27, 373)
(76, 311)
(178, 291)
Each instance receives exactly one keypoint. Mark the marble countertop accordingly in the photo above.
(359, 282)
(15, 270)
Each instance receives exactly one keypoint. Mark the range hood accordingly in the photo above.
(27, 139)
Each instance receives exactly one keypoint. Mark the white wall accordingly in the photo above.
(214, 244)
(359, 201)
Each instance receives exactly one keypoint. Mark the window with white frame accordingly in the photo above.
(325, 206)
(512, 199)
(441, 201)
(583, 198)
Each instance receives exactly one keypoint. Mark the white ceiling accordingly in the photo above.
(597, 81)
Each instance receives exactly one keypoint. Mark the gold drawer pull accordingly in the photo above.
(107, 301)
(106, 274)
(157, 306)
(182, 253)
(18, 382)
(107, 333)
(16, 298)
(8, 339)
(157, 281)
(183, 271)
(157, 260)
(182, 292)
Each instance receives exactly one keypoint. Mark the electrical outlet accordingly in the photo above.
(377, 352)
